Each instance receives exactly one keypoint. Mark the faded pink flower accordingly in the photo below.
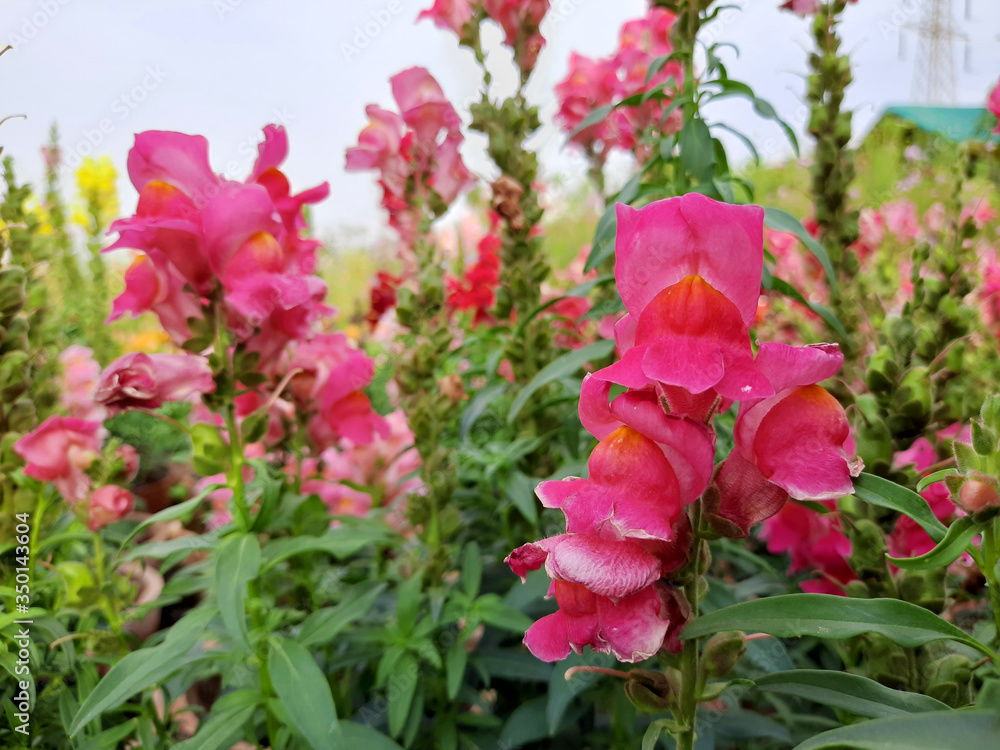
(108, 504)
(60, 450)
(79, 379)
(148, 381)
(449, 14)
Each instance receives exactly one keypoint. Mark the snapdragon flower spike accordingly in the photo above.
(200, 232)
(688, 270)
(789, 444)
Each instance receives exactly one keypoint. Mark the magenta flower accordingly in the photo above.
(423, 106)
(380, 147)
(688, 270)
(632, 629)
(108, 504)
(993, 105)
(148, 381)
(790, 444)
(449, 14)
(60, 450)
(520, 21)
(201, 232)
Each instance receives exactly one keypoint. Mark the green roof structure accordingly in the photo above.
(957, 124)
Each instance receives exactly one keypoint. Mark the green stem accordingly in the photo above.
(235, 473)
(690, 666)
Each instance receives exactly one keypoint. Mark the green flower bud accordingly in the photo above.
(723, 651)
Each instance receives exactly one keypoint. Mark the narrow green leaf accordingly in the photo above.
(401, 689)
(886, 494)
(937, 476)
(782, 221)
(237, 563)
(225, 722)
(500, 615)
(182, 511)
(592, 119)
(697, 151)
(520, 488)
(957, 538)
(562, 367)
(408, 602)
(603, 244)
(360, 737)
(305, 694)
(472, 569)
(455, 661)
(828, 616)
(478, 406)
(339, 542)
(322, 626)
(142, 669)
(936, 730)
(849, 692)
(109, 738)
(783, 287)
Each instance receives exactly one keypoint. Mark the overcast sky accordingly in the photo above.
(105, 69)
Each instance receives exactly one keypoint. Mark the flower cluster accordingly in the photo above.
(688, 270)
(519, 19)
(70, 451)
(593, 83)
(204, 238)
(415, 151)
(476, 290)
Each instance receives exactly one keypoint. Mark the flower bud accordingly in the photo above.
(723, 651)
(975, 496)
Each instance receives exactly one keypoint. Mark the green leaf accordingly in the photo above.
(472, 569)
(697, 151)
(478, 405)
(224, 723)
(828, 616)
(455, 661)
(936, 730)
(109, 738)
(562, 691)
(521, 491)
(765, 110)
(408, 602)
(957, 538)
(526, 724)
(781, 286)
(339, 542)
(603, 244)
(937, 476)
(743, 139)
(365, 738)
(849, 692)
(237, 563)
(401, 689)
(305, 694)
(142, 669)
(782, 221)
(592, 119)
(322, 626)
(886, 494)
(500, 615)
(182, 511)
(562, 367)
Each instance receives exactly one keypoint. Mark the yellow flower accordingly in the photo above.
(149, 342)
(36, 210)
(96, 181)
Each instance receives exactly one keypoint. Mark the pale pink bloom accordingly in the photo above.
(424, 107)
(79, 379)
(148, 381)
(60, 450)
(449, 14)
(901, 219)
(108, 504)
(935, 217)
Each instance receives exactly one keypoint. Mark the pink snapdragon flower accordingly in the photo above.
(329, 387)
(815, 542)
(200, 232)
(108, 504)
(901, 219)
(688, 270)
(993, 105)
(79, 379)
(148, 381)
(520, 21)
(449, 14)
(414, 151)
(60, 450)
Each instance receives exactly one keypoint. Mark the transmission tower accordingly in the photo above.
(934, 70)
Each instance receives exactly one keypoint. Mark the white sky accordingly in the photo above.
(224, 68)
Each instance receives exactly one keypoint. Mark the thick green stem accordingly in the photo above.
(690, 661)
